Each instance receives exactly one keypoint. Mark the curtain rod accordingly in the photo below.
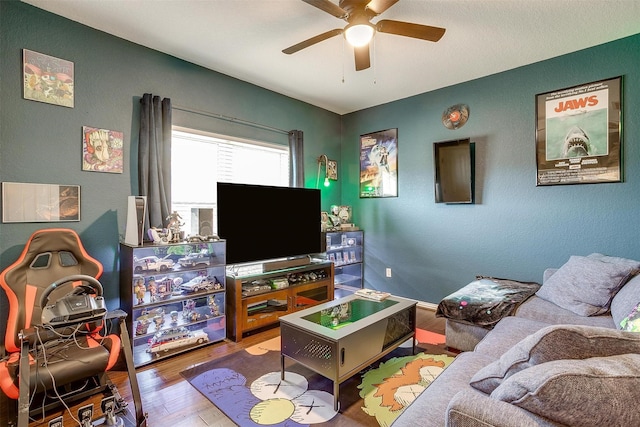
(229, 119)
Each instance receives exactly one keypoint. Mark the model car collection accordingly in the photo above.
(198, 283)
(152, 263)
(171, 338)
(196, 258)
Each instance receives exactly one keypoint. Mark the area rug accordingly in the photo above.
(246, 386)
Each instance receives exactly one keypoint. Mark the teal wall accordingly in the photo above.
(41, 143)
(515, 229)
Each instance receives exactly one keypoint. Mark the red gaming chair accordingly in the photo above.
(56, 312)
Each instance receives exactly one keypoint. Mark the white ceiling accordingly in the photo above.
(245, 38)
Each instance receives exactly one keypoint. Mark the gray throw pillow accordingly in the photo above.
(625, 300)
(632, 321)
(586, 285)
(615, 260)
(594, 392)
(555, 343)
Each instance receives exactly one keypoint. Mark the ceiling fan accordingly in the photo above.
(360, 29)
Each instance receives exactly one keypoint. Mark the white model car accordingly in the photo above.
(173, 338)
(151, 263)
(198, 283)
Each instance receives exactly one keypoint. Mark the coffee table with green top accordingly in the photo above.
(339, 338)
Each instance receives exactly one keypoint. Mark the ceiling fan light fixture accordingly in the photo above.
(359, 35)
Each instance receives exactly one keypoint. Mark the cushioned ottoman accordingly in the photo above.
(473, 311)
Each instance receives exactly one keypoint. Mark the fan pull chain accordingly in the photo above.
(343, 42)
(373, 54)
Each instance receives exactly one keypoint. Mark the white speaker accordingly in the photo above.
(136, 209)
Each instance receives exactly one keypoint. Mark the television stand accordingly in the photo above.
(256, 301)
(285, 263)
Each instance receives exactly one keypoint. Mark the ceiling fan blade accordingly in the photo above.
(363, 60)
(379, 6)
(329, 7)
(313, 40)
(407, 29)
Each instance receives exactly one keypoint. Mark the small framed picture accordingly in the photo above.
(102, 150)
(26, 202)
(47, 79)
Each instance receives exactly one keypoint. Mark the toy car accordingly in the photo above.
(171, 338)
(198, 283)
(152, 263)
(194, 259)
(150, 315)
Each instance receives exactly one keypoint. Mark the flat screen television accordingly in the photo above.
(454, 171)
(262, 223)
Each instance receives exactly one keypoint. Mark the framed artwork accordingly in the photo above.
(579, 134)
(102, 150)
(332, 170)
(379, 164)
(25, 202)
(47, 79)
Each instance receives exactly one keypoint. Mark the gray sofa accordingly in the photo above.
(561, 359)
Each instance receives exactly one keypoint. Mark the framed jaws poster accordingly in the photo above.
(579, 134)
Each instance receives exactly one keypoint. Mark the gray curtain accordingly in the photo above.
(296, 159)
(154, 159)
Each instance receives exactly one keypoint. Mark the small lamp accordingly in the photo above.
(330, 168)
(359, 34)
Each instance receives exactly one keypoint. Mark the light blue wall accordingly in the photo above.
(515, 230)
(41, 143)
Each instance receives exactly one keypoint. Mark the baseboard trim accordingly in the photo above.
(427, 305)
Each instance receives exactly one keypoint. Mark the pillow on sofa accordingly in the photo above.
(555, 342)
(625, 300)
(599, 391)
(615, 260)
(632, 321)
(586, 285)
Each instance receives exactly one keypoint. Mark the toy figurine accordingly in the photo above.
(160, 236)
(139, 289)
(213, 306)
(175, 286)
(142, 326)
(174, 317)
(164, 287)
(153, 289)
(188, 307)
(159, 321)
(174, 227)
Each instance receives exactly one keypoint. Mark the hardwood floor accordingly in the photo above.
(169, 400)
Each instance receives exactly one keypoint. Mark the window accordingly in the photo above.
(199, 161)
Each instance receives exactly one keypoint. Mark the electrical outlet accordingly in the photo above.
(388, 272)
